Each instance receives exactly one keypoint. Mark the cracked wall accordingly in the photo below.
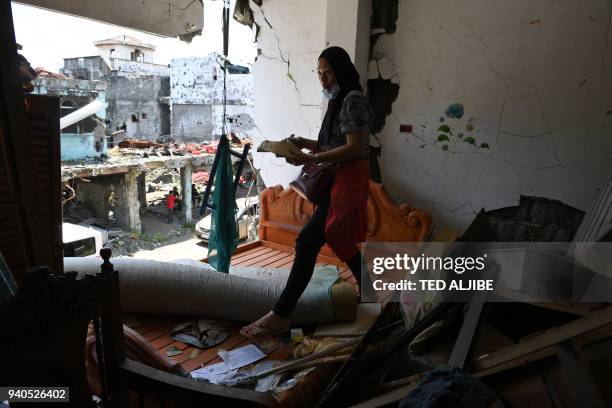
(288, 97)
(503, 100)
(492, 102)
(287, 91)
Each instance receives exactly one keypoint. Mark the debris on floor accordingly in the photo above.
(201, 333)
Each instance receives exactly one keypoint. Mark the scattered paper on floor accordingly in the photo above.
(215, 373)
(266, 383)
(242, 356)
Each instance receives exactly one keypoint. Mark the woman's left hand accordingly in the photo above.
(303, 158)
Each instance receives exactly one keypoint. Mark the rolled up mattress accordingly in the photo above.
(155, 287)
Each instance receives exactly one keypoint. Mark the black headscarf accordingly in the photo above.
(347, 78)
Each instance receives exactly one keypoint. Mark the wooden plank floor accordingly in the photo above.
(156, 329)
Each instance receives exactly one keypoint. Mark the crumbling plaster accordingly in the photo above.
(196, 95)
(200, 81)
(136, 101)
(191, 123)
(533, 80)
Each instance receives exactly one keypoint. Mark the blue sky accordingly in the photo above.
(47, 37)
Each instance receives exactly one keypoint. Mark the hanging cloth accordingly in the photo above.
(223, 227)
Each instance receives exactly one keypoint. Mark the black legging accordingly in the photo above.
(308, 243)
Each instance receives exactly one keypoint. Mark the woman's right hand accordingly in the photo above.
(298, 141)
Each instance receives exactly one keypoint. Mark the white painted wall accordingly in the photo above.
(354, 37)
(287, 91)
(535, 80)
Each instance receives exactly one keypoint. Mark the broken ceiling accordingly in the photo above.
(168, 18)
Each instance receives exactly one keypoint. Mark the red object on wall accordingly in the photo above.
(406, 128)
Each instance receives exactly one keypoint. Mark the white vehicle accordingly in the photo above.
(80, 240)
(248, 212)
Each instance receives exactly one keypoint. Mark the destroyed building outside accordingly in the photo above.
(138, 100)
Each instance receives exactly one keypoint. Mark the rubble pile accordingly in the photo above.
(146, 148)
(200, 177)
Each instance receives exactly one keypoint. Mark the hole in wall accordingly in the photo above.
(381, 95)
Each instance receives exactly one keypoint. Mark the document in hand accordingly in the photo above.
(283, 148)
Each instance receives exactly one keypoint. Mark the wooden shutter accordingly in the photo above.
(43, 125)
(12, 237)
(24, 229)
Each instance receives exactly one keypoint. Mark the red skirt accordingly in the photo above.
(347, 220)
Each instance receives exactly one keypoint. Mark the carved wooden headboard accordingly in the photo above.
(283, 213)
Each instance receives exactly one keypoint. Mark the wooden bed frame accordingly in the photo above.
(284, 212)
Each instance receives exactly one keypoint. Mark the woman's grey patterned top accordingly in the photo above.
(355, 116)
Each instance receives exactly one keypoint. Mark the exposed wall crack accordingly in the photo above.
(267, 57)
(454, 211)
(476, 35)
(500, 118)
(566, 166)
(286, 58)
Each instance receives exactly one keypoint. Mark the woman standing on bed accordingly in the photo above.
(340, 220)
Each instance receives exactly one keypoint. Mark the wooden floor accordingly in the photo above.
(156, 329)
